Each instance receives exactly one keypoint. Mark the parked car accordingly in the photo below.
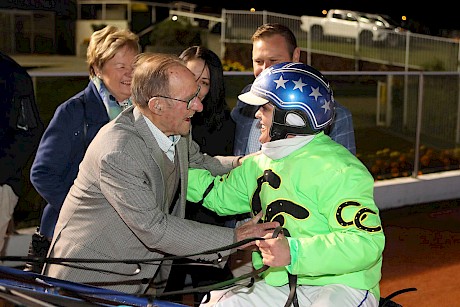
(395, 33)
(368, 28)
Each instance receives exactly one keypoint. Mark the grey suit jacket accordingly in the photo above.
(116, 209)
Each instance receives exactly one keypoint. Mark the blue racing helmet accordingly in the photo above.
(298, 91)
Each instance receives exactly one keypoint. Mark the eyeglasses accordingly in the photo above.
(188, 101)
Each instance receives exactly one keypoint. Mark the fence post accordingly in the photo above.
(223, 28)
(458, 56)
(309, 47)
(457, 130)
(406, 78)
(357, 55)
(418, 128)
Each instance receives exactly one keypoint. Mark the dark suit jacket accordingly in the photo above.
(20, 125)
(243, 114)
(62, 147)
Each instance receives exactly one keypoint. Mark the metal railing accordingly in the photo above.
(414, 115)
(406, 123)
(406, 50)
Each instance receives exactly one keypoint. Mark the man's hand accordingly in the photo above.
(241, 159)
(252, 229)
(275, 251)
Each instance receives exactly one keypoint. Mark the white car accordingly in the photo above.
(367, 28)
(385, 23)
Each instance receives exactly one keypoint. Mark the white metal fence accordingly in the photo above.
(421, 107)
(406, 123)
(411, 52)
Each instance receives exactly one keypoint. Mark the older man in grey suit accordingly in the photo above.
(128, 201)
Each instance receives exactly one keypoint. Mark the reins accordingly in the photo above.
(292, 298)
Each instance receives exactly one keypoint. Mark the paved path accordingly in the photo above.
(422, 251)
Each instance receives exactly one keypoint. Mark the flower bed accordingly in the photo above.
(388, 163)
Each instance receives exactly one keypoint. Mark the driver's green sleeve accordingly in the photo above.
(323, 196)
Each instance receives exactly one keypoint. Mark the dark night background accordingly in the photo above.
(424, 18)
(438, 18)
(432, 17)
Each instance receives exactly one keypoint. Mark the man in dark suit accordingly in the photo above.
(274, 43)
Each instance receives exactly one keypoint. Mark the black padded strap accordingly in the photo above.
(292, 297)
(208, 189)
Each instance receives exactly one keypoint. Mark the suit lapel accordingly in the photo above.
(182, 154)
(158, 155)
(95, 109)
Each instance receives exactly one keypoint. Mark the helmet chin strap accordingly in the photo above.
(281, 128)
